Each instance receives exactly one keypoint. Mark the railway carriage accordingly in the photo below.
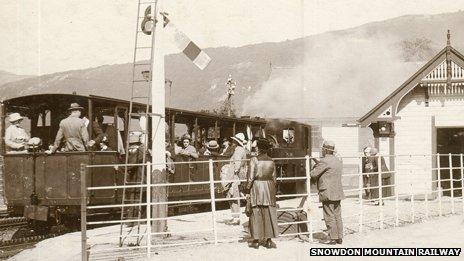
(47, 187)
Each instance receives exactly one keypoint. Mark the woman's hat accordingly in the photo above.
(212, 144)
(186, 137)
(134, 138)
(240, 138)
(75, 106)
(14, 117)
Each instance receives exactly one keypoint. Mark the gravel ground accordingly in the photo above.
(446, 231)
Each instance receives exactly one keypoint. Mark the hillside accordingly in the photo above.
(334, 74)
(6, 77)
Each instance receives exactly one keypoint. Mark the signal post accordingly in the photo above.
(158, 149)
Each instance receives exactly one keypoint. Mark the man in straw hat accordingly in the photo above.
(328, 172)
(16, 137)
(212, 149)
(73, 130)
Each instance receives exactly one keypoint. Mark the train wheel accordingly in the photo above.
(41, 227)
(71, 222)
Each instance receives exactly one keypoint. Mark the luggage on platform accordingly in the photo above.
(292, 216)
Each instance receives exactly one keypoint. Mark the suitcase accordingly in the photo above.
(292, 216)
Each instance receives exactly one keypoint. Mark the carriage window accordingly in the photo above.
(289, 135)
(213, 133)
(44, 121)
(180, 129)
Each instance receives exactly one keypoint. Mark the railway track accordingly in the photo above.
(10, 222)
(9, 248)
(21, 236)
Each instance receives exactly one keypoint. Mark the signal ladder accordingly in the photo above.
(140, 94)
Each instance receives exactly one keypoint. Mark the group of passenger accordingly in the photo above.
(259, 173)
(72, 134)
(210, 148)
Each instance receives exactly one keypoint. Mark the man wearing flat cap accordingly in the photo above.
(328, 173)
(73, 130)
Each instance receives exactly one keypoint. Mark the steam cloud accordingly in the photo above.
(341, 76)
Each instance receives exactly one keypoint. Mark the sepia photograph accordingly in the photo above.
(231, 130)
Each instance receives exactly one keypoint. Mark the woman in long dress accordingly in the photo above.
(262, 194)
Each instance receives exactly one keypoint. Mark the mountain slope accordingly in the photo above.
(6, 77)
(335, 74)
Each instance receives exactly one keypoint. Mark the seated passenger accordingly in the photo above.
(227, 149)
(98, 142)
(73, 130)
(16, 137)
(170, 167)
(212, 149)
(203, 148)
(114, 139)
(187, 150)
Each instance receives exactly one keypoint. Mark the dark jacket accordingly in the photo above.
(261, 181)
(328, 173)
(98, 133)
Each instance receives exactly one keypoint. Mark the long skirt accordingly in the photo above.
(263, 222)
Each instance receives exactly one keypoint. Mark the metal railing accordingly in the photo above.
(413, 193)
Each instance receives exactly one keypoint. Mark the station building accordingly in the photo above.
(422, 117)
(349, 140)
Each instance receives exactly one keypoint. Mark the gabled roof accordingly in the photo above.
(392, 100)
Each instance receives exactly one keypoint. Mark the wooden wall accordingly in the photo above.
(416, 134)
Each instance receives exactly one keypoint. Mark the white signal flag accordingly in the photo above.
(187, 46)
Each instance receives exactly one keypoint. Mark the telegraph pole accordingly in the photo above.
(158, 125)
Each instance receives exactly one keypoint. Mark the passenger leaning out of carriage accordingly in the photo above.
(187, 150)
(16, 137)
(73, 130)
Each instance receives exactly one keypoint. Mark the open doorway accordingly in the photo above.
(450, 140)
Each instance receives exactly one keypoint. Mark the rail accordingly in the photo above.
(413, 190)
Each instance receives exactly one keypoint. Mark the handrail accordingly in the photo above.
(391, 208)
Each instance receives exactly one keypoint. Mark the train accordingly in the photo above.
(46, 189)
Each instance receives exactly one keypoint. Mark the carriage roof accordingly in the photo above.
(180, 114)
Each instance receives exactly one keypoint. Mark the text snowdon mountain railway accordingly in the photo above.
(384, 251)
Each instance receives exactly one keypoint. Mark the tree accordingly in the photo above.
(416, 50)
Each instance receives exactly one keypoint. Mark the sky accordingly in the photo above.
(46, 36)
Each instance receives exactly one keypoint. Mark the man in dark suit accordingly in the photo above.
(328, 173)
(98, 135)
